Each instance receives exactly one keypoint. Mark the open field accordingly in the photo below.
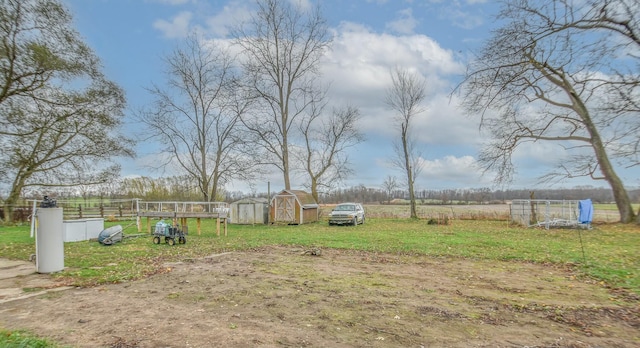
(126, 209)
(388, 283)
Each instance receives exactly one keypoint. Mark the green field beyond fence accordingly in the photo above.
(125, 209)
(607, 253)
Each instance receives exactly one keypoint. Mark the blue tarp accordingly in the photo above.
(586, 211)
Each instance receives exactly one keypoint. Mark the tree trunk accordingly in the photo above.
(623, 202)
(8, 212)
(620, 194)
(314, 189)
(533, 219)
(407, 163)
(285, 166)
(621, 197)
(10, 202)
(412, 198)
(214, 188)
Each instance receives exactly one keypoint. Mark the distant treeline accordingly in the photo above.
(370, 195)
(180, 188)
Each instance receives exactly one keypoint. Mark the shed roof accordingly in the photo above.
(252, 200)
(306, 199)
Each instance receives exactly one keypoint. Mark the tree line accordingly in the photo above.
(182, 188)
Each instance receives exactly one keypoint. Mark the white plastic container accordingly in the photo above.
(49, 241)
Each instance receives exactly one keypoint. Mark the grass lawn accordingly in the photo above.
(23, 339)
(607, 253)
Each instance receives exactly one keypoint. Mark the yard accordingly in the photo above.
(387, 283)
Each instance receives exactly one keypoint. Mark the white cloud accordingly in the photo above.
(178, 27)
(462, 15)
(448, 166)
(463, 19)
(405, 24)
(444, 123)
(359, 67)
(232, 13)
(303, 4)
(451, 171)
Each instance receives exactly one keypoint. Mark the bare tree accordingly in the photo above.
(324, 156)
(405, 97)
(282, 44)
(564, 72)
(389, 186)
(59, 115)
(197, 116)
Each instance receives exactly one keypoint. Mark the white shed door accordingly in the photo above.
(246, 214)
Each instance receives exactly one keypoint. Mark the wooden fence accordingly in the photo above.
(113, 210)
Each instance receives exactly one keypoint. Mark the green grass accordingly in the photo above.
(607, 253)
(23, 339)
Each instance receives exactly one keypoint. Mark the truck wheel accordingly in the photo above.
(156, 240)
(170, 241)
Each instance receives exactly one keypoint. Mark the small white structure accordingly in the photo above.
(249, 211)
(82, 229)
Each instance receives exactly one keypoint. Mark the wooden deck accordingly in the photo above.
(179, 212)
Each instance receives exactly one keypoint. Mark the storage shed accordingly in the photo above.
(249, 211)
(293, 207)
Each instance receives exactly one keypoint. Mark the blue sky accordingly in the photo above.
(371, 37)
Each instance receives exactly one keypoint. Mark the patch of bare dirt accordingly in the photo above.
(283, 297)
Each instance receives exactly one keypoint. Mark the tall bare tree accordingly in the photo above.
(59, 116)
(405, 98)
(282, 44)
(197, 116)
(565, 72)
(326, 140)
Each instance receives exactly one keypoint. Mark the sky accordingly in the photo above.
(434, 38)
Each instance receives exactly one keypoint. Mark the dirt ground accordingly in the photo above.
(284, 297)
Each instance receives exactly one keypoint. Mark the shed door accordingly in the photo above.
(285, 209)
(245, 214)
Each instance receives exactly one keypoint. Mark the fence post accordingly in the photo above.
(102, 210)
(80, 210)
(120, 210)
